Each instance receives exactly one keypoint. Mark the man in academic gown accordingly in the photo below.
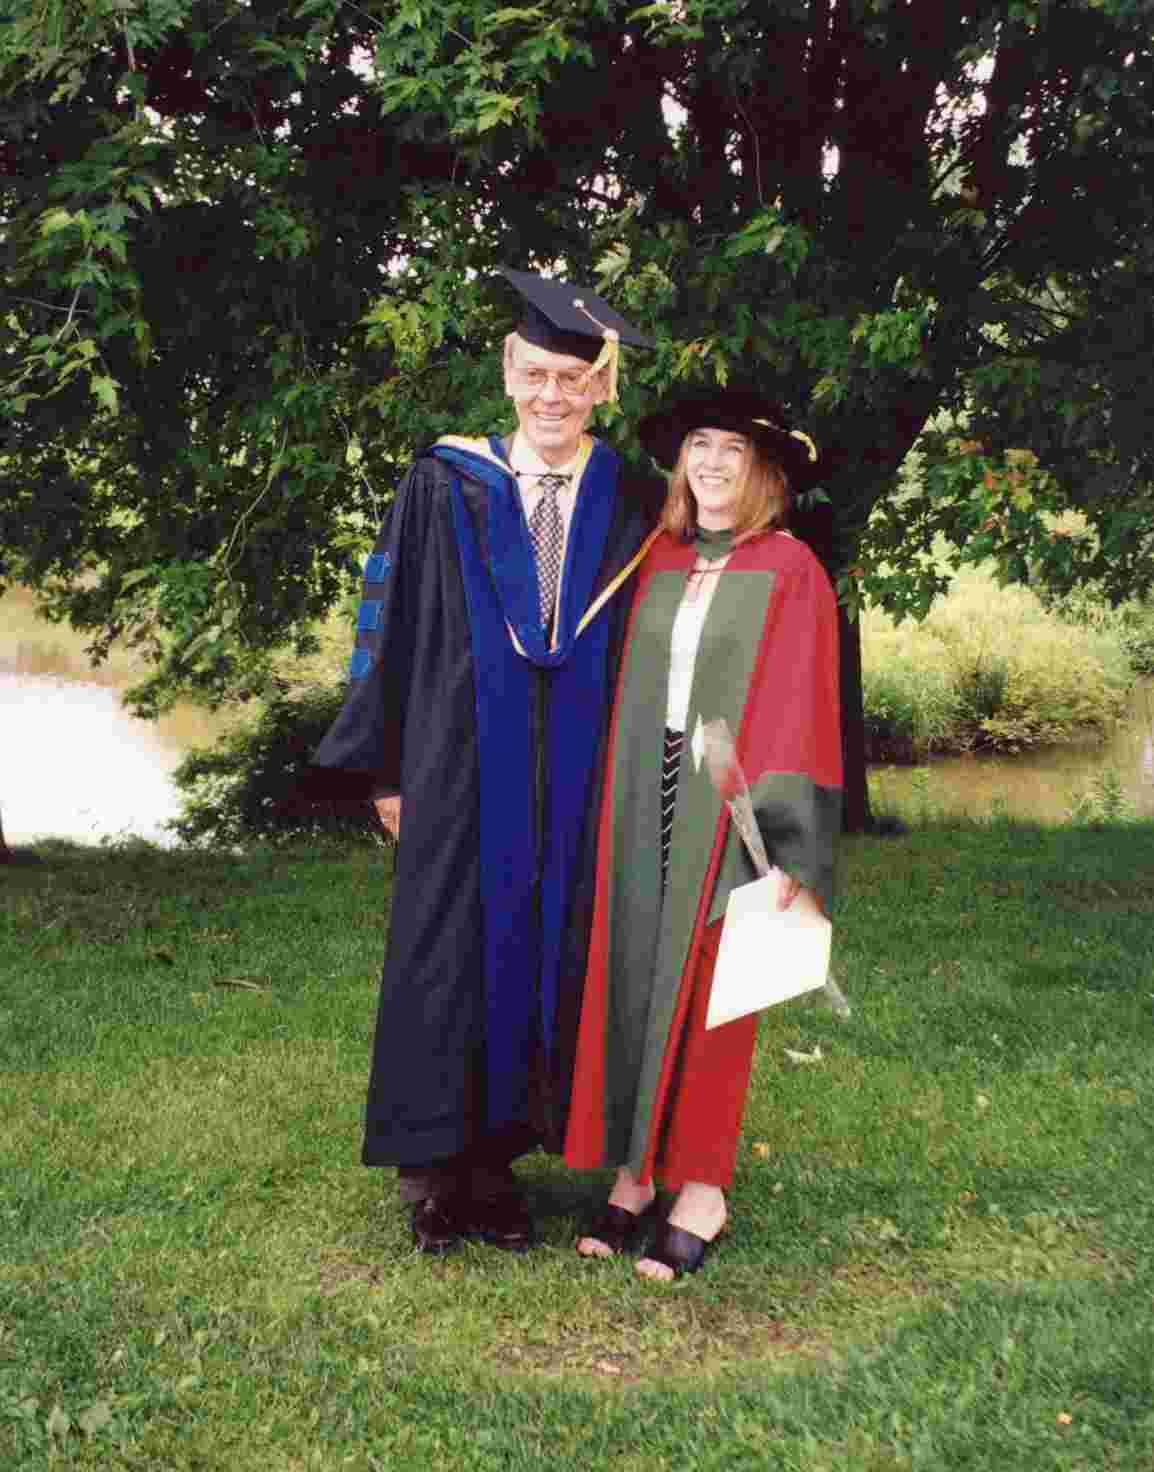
(488, 639)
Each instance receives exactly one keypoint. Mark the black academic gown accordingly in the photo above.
(410, 725)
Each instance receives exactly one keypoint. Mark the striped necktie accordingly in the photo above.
(547, 530)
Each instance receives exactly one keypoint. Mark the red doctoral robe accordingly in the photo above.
(653, 1089)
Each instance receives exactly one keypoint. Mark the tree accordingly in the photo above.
(249, 250)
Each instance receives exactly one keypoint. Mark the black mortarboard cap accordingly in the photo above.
(564, 318)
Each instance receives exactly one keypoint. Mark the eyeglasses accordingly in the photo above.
(574, 383)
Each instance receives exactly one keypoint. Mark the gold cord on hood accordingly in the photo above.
(795, 434)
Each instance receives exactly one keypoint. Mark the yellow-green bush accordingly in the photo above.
(911, 706)
(990, 667)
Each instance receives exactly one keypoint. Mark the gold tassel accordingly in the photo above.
(610, 354)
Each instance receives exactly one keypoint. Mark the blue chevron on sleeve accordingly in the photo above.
(377, 566)
(369, 614)
(360, 664)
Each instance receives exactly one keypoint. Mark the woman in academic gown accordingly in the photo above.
(733, 617)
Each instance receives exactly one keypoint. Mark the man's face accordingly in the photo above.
(554, 395)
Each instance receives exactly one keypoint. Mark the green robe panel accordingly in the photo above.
(648, 939)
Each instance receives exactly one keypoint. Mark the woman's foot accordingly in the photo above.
(697, 1217)
(610, 1234)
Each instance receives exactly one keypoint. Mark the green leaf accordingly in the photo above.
(135, 577)
(498, 108)
(774, 239)
(54, 220)
(828, 389)
(106, 392)
(613, 264)
(398, 92)
(510, 15)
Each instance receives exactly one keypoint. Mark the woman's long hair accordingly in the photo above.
(762, 502)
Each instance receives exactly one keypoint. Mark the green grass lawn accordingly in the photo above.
(939, 1252)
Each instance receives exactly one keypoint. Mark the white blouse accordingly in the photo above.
(687, 627)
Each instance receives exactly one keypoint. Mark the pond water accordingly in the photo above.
(1045, 785)
(74, 764)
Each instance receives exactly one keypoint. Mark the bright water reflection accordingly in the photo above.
(74, 764)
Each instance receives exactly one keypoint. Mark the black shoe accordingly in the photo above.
(503, 1221)
(620, 1229)
(436, 1226)
(678, 1249)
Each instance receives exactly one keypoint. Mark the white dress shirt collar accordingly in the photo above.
(525, 460)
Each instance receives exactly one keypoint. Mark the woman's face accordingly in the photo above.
(716, 461)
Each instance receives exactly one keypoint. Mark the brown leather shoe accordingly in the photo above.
(503, 1221)
(436, 1226)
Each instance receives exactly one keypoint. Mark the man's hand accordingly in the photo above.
(389, 812)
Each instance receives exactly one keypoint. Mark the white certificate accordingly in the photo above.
(766, 955)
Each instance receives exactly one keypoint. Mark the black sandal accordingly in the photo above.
(675, 1248)
(618, 1228)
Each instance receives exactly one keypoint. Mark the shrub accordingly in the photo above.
(1131, 623)
(910, 703)
(242, 787)
(990, 667)
(1137, 633)
(1102, 803)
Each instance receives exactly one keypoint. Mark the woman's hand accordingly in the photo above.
(792, 894)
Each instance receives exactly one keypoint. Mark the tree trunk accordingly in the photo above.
(856, 815)
(5, 851)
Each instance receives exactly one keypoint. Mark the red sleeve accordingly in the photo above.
(792, 719)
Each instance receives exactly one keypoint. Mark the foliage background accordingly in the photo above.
(248, 267)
